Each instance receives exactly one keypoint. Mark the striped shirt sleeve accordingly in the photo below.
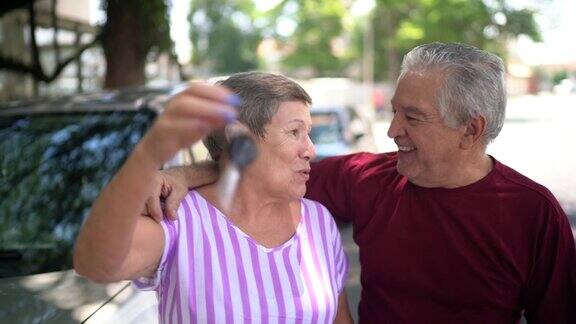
(340, 257)
(170, 229)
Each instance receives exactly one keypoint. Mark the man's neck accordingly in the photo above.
(467, 172)
(470, 172)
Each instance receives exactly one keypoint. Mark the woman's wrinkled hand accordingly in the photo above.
(188, 117)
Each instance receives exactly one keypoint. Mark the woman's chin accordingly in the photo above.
(297, 193)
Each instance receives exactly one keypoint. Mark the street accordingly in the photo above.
(536, 140)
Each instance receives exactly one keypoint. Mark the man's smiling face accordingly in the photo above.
(427, 148)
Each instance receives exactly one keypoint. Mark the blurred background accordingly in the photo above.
(346, 53)
(55, 47)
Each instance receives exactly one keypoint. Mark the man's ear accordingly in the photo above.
(474, 132)
(235, 128)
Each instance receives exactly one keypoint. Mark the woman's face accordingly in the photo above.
(282, 166)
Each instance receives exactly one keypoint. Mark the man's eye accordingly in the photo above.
(294, 132)
(410, 118)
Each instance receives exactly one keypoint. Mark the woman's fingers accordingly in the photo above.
(189, 116)
(187, 106)
(214, 93)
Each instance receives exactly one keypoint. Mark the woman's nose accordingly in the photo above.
(309, 152)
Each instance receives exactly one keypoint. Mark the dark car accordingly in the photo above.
(54, 159)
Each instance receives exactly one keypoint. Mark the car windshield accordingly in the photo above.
(52, 168)
(326, 128)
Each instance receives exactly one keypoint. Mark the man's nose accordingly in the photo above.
(396, 128)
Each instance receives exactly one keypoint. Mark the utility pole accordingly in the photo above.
(368, 61)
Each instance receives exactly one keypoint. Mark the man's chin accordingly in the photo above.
(405, 170)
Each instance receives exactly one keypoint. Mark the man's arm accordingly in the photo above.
(343, 315)
(334, 183)
(172, 185)
(329, 184)
(551, 289)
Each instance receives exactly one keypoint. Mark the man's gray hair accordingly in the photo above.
(473, 84)
(261, 94)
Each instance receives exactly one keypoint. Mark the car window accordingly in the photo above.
(326, 128)
(52, 167)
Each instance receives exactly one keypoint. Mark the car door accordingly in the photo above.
(53, 164)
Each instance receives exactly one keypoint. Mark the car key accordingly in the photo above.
(242, 151)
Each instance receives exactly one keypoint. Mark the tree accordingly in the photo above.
(133, 30)
(314, 43)
(35, 67)
(401, 25)
(224, 35)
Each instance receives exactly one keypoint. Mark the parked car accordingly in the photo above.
(54, 159)
(336, 130)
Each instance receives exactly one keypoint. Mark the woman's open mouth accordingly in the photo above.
(304, 174)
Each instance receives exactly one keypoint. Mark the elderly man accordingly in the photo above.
(447, 234)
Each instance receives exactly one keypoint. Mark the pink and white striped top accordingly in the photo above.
(212, 272)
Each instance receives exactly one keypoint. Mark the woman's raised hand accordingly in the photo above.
(188, 117)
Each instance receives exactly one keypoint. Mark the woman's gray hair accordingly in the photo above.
(473, 85)
(261, 94)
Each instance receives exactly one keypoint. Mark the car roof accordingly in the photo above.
(128, 99)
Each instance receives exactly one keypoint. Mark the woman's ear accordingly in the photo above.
(235, 128)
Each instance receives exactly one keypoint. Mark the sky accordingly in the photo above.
(558, 27)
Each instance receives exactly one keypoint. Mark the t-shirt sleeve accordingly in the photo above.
(170, 229)
(331, 182)
(551, 288)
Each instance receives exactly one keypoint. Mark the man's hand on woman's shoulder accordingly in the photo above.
(172, 185)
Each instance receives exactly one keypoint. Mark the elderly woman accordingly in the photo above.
(273, 257)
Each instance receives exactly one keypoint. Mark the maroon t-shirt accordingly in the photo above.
(482, 253)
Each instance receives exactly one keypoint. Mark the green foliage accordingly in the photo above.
(559, 76)
(224, 36)
(314, 43)
(155, 24)
(401, 25)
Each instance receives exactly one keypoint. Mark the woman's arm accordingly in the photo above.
(343, 315)
(116, 242)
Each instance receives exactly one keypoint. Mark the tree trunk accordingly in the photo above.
(123, 46)
(391, 51)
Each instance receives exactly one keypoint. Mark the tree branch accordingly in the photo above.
(21, 67)
(33, 43)
(54, 19)
(8, 6)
